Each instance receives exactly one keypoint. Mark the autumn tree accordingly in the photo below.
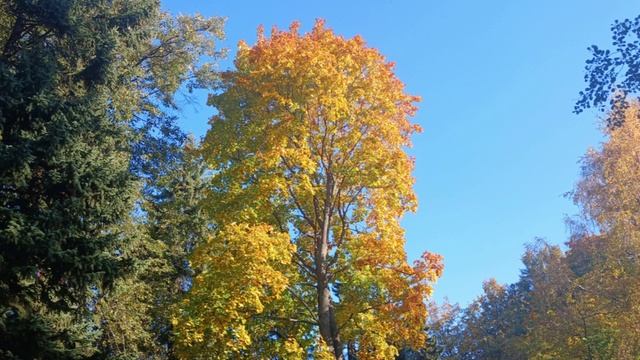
(582, 301)
(608, 244)
(310, 180)
(491, 327)
(579, 303)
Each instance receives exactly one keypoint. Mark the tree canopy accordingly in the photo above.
(309, 151)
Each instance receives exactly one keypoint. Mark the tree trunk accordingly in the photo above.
(326, 316)
(11, 44)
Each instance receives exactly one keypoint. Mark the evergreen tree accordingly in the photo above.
(135, 313)
(86, 121)
(64, 180)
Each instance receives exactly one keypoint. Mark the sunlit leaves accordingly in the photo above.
(237, 272)
(310, 138)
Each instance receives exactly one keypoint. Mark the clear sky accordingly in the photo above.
(498, 80)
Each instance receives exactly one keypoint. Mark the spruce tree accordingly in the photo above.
(64, 179)
(87, 121)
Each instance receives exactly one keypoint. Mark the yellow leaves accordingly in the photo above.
(373, 340)
(621, 167)
(397, 314)
(310, 137)
(608, 192)
(292, 350)
(239, 270)
(322, 351)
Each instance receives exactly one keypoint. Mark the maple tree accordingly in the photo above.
(310, 180)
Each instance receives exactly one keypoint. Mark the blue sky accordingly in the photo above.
(498, 80)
